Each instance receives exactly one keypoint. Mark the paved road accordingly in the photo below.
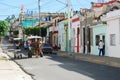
(52, 67)
(58, 68)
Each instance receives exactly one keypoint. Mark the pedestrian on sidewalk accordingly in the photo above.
(101, 48)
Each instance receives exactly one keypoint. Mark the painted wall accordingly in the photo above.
(99, 30)
(113, 32)
(62, 36)
(29, 23)
(75, 36)
(113, 28)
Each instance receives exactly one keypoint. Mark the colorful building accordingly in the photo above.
(29, 23)
(75, 38)
(63, 35)
(99, 33)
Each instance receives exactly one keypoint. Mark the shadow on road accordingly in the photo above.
(95, 71)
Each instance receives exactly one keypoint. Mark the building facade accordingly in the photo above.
(75, 38)
(113, 33)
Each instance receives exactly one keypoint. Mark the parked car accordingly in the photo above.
(46, 48)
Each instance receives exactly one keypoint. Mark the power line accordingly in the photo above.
(61, 2)
(61, 9)
(29, 4)
(80, 2)
(43, 5)
(4, 4)
(9, 15)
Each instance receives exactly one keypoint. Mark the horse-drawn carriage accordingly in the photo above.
(17, 49)
(32, 44)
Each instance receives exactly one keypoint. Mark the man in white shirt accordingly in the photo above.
(101, 48)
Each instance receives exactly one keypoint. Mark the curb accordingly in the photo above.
(3, 59)
(89, 59)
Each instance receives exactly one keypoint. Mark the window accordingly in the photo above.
(97, 40)
(112, 39)
(78, 31)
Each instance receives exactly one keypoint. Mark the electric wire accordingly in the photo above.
(61, 2)
(78, 1)
(61, 9)
(49, 3)
(4, 4)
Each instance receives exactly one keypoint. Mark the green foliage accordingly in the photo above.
(27, 30)
(3, 28)
(16, 32)
(35, 31)
(10, 18)
(43, 31)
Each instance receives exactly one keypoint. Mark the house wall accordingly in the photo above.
(98, 30)
(113, 28)
(113, 32)
(50, 34)
(75, 34)
(29, 23)
(61, 36)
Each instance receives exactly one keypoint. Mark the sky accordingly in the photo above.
(9, 7)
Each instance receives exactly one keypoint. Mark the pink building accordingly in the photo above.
(75, 33)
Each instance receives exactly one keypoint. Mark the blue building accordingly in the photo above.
(99, 33)
(29, 23)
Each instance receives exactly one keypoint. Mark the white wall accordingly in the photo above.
(75, 25)
(113, 27)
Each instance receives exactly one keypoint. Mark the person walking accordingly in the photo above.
(37, 48)
(101, 48)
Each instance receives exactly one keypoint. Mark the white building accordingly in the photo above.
(113, 33)
(76, 34)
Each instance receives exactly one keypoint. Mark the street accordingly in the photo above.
(53, 67)
(77, 40)
(59, 68)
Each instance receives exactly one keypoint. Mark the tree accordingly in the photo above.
(16, 32)
(3, 28)
(13, 17)
(43, 31)
(36, 31)
(11, 20)
(8, 19)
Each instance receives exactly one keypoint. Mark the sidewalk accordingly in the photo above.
(111, 61)
(9, 70)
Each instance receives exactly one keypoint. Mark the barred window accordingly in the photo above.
(97, 40)
(112, 39)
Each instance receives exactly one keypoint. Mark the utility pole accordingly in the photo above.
(39, 16)
(86, 32)
(32, 18)
(69, 26)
